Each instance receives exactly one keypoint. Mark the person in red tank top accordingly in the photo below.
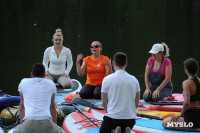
(96, 66)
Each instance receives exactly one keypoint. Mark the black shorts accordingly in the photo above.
(192, 114)
(89, 91)
(110, 124)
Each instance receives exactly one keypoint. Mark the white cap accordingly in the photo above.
(156, 48)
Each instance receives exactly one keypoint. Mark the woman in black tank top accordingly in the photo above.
(189, 118)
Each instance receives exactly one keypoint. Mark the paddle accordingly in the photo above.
(86, 116)
(149, 116)
(86, 103)
(166, 103)
(83, 102)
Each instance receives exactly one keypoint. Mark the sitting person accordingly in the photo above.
(96, 66)
(37, 105)
(158, 74)
(56, 57)
(190, 113)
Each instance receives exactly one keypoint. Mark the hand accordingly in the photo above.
(47, 73)
(66, 75)
(156, 94)
(146, 93)
(79, 58)
(175, 117)
(107, 62)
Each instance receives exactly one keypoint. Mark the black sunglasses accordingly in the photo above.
(96, 46)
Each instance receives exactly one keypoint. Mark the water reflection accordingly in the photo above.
(130, 26)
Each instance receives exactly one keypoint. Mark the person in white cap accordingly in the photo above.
(158, 74)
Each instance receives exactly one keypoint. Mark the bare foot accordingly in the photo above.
(128, 130)
(118, 129)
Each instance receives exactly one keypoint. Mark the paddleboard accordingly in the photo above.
(76, 122)
(11, 131)
(176, 99)
(67, 107)
(161, 114)
(62, 93)
(150, 125)
(170, 108)
(8, 100)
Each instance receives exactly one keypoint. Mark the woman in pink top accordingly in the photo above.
(158, 74)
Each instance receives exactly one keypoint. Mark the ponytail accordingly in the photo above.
(166, 50)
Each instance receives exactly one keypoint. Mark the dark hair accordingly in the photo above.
(120, 59)
(191, 65)
(38, 70)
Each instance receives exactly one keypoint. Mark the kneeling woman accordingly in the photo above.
(190, 113)
(158, 74)
(96, 66)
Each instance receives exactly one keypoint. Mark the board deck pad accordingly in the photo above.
(76, 122)
(62, 93)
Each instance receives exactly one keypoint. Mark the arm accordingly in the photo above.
(146, 79)
(108, 66)
(137, 98)
(21, 107)
(80, 69)
(186, 102)
(53, 109)
(45, 61)
(69, 62)
(104, 100)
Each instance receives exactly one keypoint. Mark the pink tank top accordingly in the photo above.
(166, 62)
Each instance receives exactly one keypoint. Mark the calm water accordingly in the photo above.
(130, 26)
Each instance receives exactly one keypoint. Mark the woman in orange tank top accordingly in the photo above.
(96, 66)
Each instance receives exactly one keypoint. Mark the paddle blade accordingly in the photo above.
(84, 103)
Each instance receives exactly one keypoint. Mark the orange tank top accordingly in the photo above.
(95, 70)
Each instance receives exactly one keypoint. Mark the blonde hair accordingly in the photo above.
(98, 43)
(58, 33)
(166, 50)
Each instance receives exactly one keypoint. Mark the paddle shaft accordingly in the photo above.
(149, 116)
(86, 116)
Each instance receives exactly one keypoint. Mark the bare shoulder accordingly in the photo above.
(187, 82)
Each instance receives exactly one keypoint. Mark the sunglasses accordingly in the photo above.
(96, 46)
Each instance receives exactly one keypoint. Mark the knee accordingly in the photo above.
(65, 82)
(147, 99)
(156, 99)
(164, 122)
(84, 95)
(67, 85)
(49, 77)
(97, 95)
